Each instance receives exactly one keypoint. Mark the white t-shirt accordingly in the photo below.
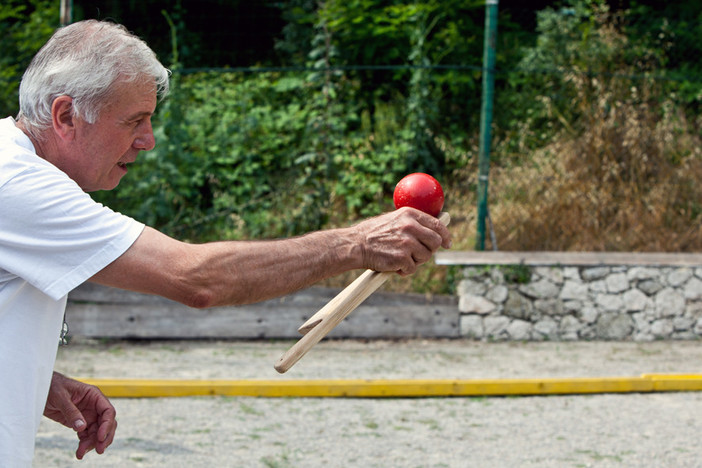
(53, 237)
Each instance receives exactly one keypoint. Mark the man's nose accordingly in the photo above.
(146, 140)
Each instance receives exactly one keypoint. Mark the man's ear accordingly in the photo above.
(62, 117)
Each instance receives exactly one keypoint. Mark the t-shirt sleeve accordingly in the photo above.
(54, 235)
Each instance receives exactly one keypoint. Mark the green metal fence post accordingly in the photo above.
(489, 48)
(66, 12)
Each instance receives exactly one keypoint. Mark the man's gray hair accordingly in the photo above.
(84, 60)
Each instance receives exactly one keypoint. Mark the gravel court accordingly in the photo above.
(559, 431)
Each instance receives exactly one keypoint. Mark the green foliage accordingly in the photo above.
(226, 159)
(674, 34)
(275, 154)
(367, 33)
(516, 274)
(583, 53)
(24, 27)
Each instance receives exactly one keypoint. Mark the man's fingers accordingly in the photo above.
(439, 235)
(400, 240)
(84, 446)
(106, 434)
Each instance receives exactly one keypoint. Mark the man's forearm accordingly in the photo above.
(230, 272)
(246, 272)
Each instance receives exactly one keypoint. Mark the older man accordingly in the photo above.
(86, 103)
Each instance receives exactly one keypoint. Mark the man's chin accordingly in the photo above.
(108, 185)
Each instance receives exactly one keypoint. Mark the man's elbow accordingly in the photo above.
(200, 299)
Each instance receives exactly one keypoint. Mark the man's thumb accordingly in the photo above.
(73, 416)
(78, 424)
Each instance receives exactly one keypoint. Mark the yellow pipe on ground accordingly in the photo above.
(395, 388)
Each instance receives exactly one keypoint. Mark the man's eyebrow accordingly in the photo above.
(139, 115)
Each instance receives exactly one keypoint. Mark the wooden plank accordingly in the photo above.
(96, 311)
(659, 259)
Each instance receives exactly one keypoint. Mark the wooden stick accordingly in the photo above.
(361, 288)
(336, 310)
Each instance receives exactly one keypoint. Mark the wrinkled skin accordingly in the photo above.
(84, 409)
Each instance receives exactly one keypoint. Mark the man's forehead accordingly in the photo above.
(139, 97)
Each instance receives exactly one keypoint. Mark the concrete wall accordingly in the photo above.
(580, 303)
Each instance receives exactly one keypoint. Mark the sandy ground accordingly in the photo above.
(622, 430)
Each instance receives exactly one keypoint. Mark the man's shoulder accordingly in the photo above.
(13, 137)
(17, 154)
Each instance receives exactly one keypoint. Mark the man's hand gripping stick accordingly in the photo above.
(417, 190)
(335, 311)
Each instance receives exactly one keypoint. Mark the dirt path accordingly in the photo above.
(598, 430)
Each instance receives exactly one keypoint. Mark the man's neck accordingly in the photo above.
(39, 145)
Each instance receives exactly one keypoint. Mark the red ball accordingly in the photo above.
(420, 191)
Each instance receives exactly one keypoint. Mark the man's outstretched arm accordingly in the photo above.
(239, 272)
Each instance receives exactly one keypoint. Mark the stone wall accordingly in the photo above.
(581, 303)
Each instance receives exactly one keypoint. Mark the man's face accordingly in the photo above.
(102, 150)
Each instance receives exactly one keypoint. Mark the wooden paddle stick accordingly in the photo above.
(335, 311)
(349, 298)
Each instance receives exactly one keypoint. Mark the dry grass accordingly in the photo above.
(630, 181)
